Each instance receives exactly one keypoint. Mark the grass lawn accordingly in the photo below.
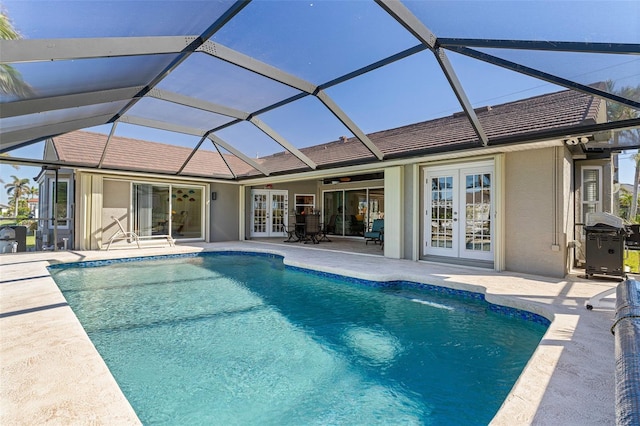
(632, 259)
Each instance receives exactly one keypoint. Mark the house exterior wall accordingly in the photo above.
(536, 194)
(100, 196)
(538, 199)
(225, 213)
(394, 212)
(116, 201)
(412, 201)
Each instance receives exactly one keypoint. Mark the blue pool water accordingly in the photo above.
(226, 339)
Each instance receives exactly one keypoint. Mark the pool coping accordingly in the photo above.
(51, 372)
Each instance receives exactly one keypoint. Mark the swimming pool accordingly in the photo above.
(242, 339)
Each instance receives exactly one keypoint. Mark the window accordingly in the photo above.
(591, 190)
(59, 202)
(305, 203)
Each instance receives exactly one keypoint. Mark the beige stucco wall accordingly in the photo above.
(225, 213)
(412, 232)
(116, 201)
(536, 208)
(394, 212)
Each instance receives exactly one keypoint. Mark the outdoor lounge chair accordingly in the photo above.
(375, 234)
(122, 234)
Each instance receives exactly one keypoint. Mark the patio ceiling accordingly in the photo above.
(239, 78)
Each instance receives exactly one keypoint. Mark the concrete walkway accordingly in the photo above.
(51, 373)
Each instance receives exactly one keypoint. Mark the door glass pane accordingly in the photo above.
(278, 211)
(376, 206)
(61, 203)
(354, 211)
(478, 212)
(591, 202)
(186, 212)
(150, 209)
(442, 212)
(333, 215)
(259, 213)
(591, 185)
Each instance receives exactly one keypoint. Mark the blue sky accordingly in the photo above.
(320, 40)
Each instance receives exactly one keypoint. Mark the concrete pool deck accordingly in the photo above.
(51, 373)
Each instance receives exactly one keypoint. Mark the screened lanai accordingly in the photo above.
(249, 79)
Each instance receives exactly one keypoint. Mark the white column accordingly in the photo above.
(94, 217)
(394, 212)
(499, 214)
(242, 210)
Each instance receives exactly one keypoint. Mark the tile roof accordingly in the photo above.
(86, 148)
(509, 121)
(523, 117)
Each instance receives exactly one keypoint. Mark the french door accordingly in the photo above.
(458, 212)
(268, 212)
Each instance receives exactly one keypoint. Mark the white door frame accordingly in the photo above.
(269, 209)
(462, 227)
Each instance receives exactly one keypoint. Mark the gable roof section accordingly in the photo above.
(516, 122)
(83, 148)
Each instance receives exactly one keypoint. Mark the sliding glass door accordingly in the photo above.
(187, 212)
(168, 210)
(150, 208)
(351, 212)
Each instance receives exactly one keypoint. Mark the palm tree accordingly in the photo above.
(616, 112)
(11, 82)
(624, 198)
(17, 189)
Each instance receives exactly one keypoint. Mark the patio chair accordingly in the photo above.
(291, 233)
(311, 228)
(122, 234)
(375, 234)
(324, 229)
